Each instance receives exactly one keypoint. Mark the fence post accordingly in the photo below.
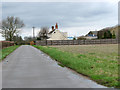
(68, 42)
(51, 42)
(46, 42)
(78, 42)
(57, 42)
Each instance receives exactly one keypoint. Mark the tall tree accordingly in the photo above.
(105, 35)
(42, 35)
(11, 27)
(109, 34)
(113, 36)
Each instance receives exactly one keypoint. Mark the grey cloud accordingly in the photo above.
(66, 14)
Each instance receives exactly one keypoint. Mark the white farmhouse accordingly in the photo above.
(56, 34)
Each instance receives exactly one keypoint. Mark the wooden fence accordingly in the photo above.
(77, 42)
(4, 44)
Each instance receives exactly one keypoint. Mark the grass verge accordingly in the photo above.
(104, 72)
(6, 51)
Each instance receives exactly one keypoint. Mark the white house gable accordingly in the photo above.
(56, 34)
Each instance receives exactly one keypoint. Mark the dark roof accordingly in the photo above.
(93, 32)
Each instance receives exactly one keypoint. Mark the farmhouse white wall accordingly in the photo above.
(57, 35)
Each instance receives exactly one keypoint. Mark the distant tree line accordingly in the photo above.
(106, 34)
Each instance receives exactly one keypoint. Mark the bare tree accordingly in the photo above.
(42, 35)
(11, 27)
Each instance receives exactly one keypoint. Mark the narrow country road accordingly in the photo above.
(28, 67)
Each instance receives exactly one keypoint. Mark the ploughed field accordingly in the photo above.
(99, 62)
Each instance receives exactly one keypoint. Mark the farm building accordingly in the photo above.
(56, 34)
(91, 35)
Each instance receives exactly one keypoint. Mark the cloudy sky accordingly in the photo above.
(76, 18)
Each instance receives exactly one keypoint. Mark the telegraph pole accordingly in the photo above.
(33, 34)
(33, 31)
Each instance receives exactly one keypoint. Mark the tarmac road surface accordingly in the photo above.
(28, 67)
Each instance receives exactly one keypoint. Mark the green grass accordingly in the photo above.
(101, 70)
(60, 64)
(6, 51)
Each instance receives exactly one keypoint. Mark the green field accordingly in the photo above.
(6, 51)
(99, 62)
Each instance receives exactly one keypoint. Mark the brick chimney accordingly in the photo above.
(52, 28)
(56, 26)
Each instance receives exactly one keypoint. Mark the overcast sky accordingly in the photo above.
(76, 18)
